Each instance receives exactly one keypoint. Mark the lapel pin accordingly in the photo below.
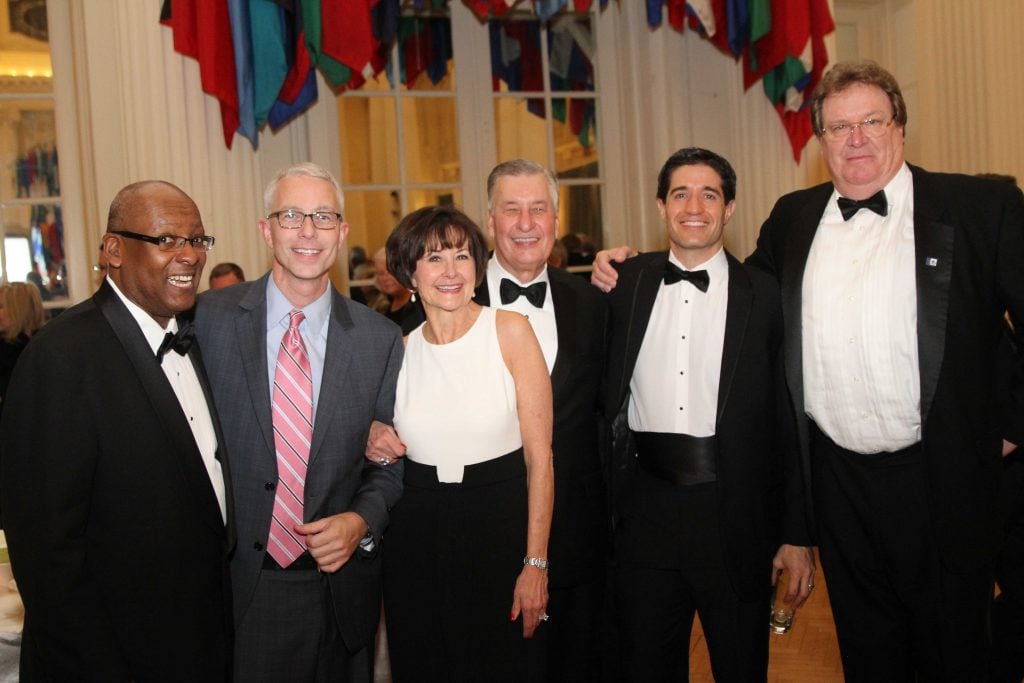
(931, 261)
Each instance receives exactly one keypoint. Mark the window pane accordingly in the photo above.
(515, 55)
(28, 144)
(431, 142)
(425, 54)
(371, 215)
(519, 132)
(447, 196)
(579, 213)
(34, 247)
(369, 145)
(575, 132)
(570, 53)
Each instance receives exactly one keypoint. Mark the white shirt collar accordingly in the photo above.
(150, 328)
(495, 269)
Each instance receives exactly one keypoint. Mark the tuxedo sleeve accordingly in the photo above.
(1010, 282)
(47, 490)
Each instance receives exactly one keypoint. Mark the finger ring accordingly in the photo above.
(810, 586)
(385, 461)
(544, 617)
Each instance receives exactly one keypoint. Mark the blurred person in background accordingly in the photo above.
(21, 316)
(225, 275)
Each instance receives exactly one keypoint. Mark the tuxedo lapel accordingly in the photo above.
(164, 401)
(195, 355)
(564, 301)
(737, 313)
(933, 253)
(641, 303)
(337, 359)
(482, 295)
(798, 246)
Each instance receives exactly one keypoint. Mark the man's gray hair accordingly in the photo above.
(305, 169)
(521, 167)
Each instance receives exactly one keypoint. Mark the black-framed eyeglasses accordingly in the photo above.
(292, 219)
(171, 242)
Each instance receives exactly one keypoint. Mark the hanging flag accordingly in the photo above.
(268, 28)
(791, 59)
(349, 36)
(241, 37)
(336, 73)
(283, 112)
(202, 30)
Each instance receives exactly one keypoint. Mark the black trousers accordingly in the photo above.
(900, 615)
(670, 564)
(452, 554)
(1008, 608)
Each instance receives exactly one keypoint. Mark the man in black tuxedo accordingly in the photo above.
(894, 283)
(116, 494)
(703, 420)
(568, 316)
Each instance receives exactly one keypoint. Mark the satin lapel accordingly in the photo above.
(645, 291)
(564, 301)
(482, 295)
(251, 332)
(196, 356)
(737, 314)
(934, 243)
(164, 402)
(798, 245)
(337, 360)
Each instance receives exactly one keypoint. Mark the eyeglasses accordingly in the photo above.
(292, 219)
(871, 127)
(171, 242)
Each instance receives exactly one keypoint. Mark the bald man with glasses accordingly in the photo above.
(115, 486)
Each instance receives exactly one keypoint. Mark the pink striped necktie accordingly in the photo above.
(293, 432)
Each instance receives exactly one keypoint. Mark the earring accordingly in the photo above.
(413, 299)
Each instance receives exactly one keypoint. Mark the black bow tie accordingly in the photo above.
(876, 202)
(179, 342)
(697, 278)
(535, 293)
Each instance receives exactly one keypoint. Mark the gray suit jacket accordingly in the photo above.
(364, 355)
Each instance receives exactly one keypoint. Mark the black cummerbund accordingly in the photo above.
(681, 459)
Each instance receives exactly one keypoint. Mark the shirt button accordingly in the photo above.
(850, 340)
(680, 407)
(684, 336)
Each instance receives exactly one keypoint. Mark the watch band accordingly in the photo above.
(538, 562)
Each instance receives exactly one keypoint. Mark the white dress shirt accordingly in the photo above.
(185, 383)
(542, 319)
(862, 383)
(674, 388)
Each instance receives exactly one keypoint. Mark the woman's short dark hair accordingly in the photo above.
(432, 228)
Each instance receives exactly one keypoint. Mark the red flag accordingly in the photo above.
(485, 8)
(347, 33)
(202, 30)
(795, 24)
